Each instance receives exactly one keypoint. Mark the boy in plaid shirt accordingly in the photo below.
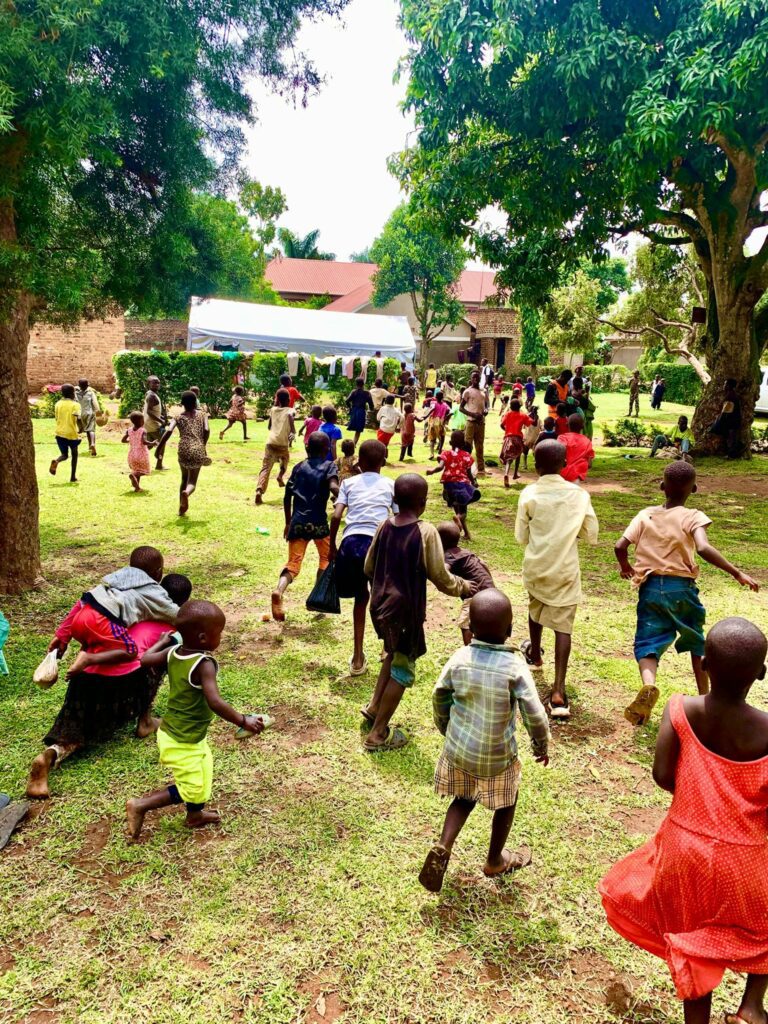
(475, 701)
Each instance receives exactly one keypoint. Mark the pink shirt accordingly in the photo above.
(578, 452)
(439, 410)
(143, 634)
(310, 426)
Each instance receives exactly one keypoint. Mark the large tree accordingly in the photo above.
(302, 247)
(414, 258)
(111, 114)
(588, 119)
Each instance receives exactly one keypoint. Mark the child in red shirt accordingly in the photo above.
(561, 420)
(407, 432)
(459, 490)
(579, 452)
(513, 423)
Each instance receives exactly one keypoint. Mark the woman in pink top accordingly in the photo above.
(138, 449)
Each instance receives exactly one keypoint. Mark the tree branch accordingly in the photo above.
(673, 350)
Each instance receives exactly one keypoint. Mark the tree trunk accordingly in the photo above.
(19, 537)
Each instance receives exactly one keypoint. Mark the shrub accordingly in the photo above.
(338, 386)
(460, 372)
(683, 384)
(43, 408)
(628, 433)
(214, 373)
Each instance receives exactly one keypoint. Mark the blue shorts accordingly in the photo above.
(669, 611)
(351, 580)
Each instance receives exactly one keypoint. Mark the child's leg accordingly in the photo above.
(73, 473)
(702, 678)
(37, 783)
(441, 443)
(134, 478)
(698, 1011)
(245, 429)
(192, 475)
(358, 624)
(526, 449)
(516, 475)
(283, 459)
(183, 496)
(137, 807)
(639, 711)
(410, 450)
(751, 1009)
(562, 654)
(535, 632)
(266, 468)
(503, 819)
(455, 820)
(381, 684)
(403, 450)
(296, 551)
(506, 474)
(388, 704)
(223, 432)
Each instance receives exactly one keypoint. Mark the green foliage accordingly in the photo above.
(363, 256)
(533, 350)
(338, 386)
(683, 384)
(612, 277)
(43, 407)
(296, 247)
(415, 259)
(627, 433)
(460, 372)
(569, 321)
(214, 374)
(263, 204)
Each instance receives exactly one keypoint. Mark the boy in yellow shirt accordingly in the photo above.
(67, 413)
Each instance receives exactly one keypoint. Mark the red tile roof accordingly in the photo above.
(349, 284)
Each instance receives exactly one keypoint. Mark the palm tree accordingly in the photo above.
(297, 248)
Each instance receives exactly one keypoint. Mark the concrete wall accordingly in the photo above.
(56, 356)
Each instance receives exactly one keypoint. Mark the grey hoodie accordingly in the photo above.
(132, 596)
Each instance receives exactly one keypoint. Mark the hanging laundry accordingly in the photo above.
(293, 363)
(364, 361)
(348, 366)
(331, 361)
(379, 368)
(307, 363)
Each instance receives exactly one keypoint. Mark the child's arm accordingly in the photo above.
(287, 509)
(205, 674)
(434, 565)
(164, 439)
(532, 711)
(85, 659)
(338, 513)
(667, 753)
(442, 700)
(522, 529)
(438, 468)
(620, 549)
(124, 438)
(206, 429)
(710, 554)
(157, 655)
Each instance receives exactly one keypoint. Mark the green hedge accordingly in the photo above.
(604, 378)
(213, 374)
(683, 384)
(338, 386)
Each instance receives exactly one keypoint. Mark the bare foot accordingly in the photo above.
(146, 726)
(93, 450)
(134, 812)
(510, 860)
(221, 435)
(134, 482)
(199, 819)
(278, 614)
(37, 783)
(258, 499)
(183, 503)
(506, 481)
(280, 481)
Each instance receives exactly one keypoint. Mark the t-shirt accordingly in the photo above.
(681, 435)
(334, 433)
(438, 411)
(389, 418)
(309, 486)
(408, 432)
(67, 413)
(457, 464)
(474, 402)
(377, 396)
(311, 424)
(187, 714)
(360, 399)
(368, 499)
(281, 426)
(578, 452)
(513, 423)
(294, 395)
(467, 566)
(664, 544)
(530, 390)
(561, 426)
(430, 379)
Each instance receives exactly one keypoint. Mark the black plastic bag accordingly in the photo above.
(324, 596)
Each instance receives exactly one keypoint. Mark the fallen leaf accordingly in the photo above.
(320, 1005)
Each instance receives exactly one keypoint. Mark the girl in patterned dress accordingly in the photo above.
(194, 432)
(138, 449)
(236, 413)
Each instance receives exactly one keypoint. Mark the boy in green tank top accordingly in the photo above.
(193, 701)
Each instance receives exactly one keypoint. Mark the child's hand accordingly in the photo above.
(285, 533)
(746, 581)
(627, 572)
(253, 724)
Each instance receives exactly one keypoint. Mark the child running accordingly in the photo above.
(193, 701)
(277, 449)
(306, 514)
(695, 895)
(67, 417)
(467, 566)
(347, 464)
(475, 701)
(667, 538)
(530, 393)
(138, 450)
(404, 554)
(368, 500)
(531, 434)
(236, 413)
(513, 423)
(311, 423)
(194, 432)
(331, 431)
(390, 420)
(359, 402)
(436, 425)
(407, 432)
(552, 516)
(459, 491)
(579, 453)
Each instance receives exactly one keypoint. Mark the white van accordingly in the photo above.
(762, 398)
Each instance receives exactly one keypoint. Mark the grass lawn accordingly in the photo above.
(305, 906)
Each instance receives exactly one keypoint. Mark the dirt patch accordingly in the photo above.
(45, 1013)
(7, 960)
(639, 821)
(294, 727)
(605, 487)
(458, 961)
(596, 983)
(324, 1004)
(754, 486)
(96, 839)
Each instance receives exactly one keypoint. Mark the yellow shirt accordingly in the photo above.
(430, 380)
(664, 544)
(552, 515)
(67, 412)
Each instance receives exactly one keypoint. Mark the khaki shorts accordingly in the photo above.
(463, 620)
(495, 792)
(547, 615)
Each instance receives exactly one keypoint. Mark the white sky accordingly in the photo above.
(330, 157)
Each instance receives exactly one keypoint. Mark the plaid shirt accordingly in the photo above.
(474, 703)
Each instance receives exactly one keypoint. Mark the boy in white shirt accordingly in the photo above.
(368, 499)
(552, 516)
(277, 449)
(389, 419)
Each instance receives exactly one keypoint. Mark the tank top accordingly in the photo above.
(187, 714)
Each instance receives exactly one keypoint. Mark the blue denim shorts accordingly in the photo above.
(669, 612)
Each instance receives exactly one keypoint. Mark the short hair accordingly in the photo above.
(683, 419)
(282, 397)
(431, 366)
(199, 616)
(148, 559)
(389, 400)
(177, 587)
(735, 650)
(360, 382)
(439, 395)
(408, 407)
(285, 380)
(562, 409)
(348, 447)
(83, 382)
(450, 534)
(411, 380)
(372, 453)
(317, 411)
(67, 390)
(679, 474)
(410, 490)
(549, 423)
(329, 414)
(457, 439)
(189, 400)
(550, 456)
(565, 375)
(514, 405)
(379, 383)
(576, 423)
(318, 444)
(137, 419)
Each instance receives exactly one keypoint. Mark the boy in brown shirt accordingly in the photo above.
(667, 538)
(474, 404)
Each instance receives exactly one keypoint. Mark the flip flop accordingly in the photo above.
(525, 650)
(518, 859)
(432, 874)
(640, 710)
(560, 712)
(10, 817)
(396, 740)
(370, 719)
(358, 671)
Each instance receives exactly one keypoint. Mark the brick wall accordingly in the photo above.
(166, 335)
(56, 356)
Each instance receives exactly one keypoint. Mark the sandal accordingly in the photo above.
(518, 859)
(396, 740)
(432, 874)
(358, 671)
(10, 816)
(639, 711)
(560, 712)
(525, 650)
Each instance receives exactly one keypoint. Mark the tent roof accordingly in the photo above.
(286, 329)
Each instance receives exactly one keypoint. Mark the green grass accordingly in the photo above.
(306, 899)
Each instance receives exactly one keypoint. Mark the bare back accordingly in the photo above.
(737, 732)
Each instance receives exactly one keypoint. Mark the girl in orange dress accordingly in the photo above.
(696, 895)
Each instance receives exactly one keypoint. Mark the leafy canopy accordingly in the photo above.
(296, 247)
(414, 258)
(112, 115)
(533, 350)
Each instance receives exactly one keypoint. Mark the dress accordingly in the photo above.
(192, 453)
(696, 894)
(138, 453)
(236, 411)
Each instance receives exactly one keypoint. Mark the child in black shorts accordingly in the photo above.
(457, 466)
(467, 566)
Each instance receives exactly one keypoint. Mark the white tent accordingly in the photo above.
(255, 328)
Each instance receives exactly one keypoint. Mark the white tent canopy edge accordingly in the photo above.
(257, 328)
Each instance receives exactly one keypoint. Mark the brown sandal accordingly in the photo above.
(432, 874)
(640, 710)
(518, 859)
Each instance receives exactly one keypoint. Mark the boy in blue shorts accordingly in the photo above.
(667, 538)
